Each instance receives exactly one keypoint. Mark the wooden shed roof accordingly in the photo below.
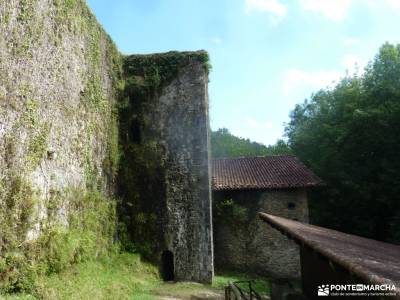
(261, 172)
(373, 261)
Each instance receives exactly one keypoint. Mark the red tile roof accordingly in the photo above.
(261, 172)
(373, 261)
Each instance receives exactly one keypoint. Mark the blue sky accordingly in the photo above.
(267, 55)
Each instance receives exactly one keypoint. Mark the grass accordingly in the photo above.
(122, 276)
(185, 289)
(180, 289)
(259, 284)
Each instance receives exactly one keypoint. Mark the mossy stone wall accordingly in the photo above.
(81, 125)
(165, 137)
(244, 243)
(59, 73)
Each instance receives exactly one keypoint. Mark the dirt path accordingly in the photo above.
(188, 291)
(195, 296)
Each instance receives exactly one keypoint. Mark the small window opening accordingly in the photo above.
(167, 266)
(135, 134)
(291, 205)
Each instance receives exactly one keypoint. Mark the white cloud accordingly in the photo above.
(255, 124)
(274, 8)
(258, 131)
(338, 10)
(295, 79)
(375, 5)
(334, 10)
(395, 4)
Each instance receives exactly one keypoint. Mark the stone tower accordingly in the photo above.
(167, 123)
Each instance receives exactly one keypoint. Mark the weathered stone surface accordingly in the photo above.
(286, 290)
(57, 80)
(188, 234)
(168, 121)
(244, 243)
(60, 79)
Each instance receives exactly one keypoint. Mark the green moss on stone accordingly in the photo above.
(30, 245)
(17, 201)
(91, 219)
(142, 169)
(26, 10)
(156, 70)
(37, 146)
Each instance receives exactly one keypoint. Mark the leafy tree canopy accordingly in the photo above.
(224, 144)
(350, 137)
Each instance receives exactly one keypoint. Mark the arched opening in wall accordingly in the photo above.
(167, 266)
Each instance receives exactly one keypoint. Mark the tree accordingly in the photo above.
(350, 137)
(225, 144)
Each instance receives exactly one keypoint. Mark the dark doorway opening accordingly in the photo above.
(167, 265)
(135, 134)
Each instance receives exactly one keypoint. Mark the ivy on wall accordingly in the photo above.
(80, 221)
(142, 175)
(229, 212)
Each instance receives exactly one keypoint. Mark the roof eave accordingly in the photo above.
(277, 187)
(299, 239)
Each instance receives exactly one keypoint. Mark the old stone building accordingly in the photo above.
(166, 162)
(82, 125)
(241, 188)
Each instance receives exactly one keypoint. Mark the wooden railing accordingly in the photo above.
(234, 292)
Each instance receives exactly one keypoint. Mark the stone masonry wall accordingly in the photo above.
(58, 133)
(69, 102)
(184, 111)
(58, 70)
(242, 242)
(168, 121)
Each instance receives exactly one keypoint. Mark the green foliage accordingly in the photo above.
(24, 40)
(111, 161)
(141, 187)
(26, 10)
(349, 137)
(90, 233)
(230, 212)
(39, 131)
(224, 145)
(157, 70)
(124, 276)
(17, 200)
(38, 145)
(45, 233)
(116, 276)
(259, 284)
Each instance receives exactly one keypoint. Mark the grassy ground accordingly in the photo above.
(261, 285)
(122, 276)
